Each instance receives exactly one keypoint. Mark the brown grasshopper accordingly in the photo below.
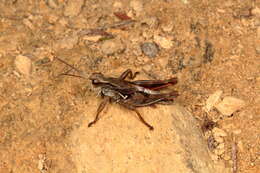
(129, 94)
(129, 87)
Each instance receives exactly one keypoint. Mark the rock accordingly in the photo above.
(150, 49)
(110, 47)
(167, 27)
(73, 7)
(229, 105)
(118, 5)
(152, 22)
(218, 132)
(23, 64)
(92, 38)
(240, 146)
(52, 4)
(28, 23)
(138, 149)
(256, 11)
(213, 100)
(163, 42)
(52, 19)
(137, 6)
(67, 43)
(227, 157)
(41, 162)
(237, 131)
(137, 51)
(147, 35)
(185, 1)
(257, 21)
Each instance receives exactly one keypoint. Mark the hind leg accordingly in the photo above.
(128, 73)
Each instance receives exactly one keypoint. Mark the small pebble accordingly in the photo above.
(28, 23)
(185, 1)
(138, 52)
(256, 11)
(150, 49)
(237, 131)
(68, 42)
(118, 5)
(240, 146)
(257, 21)
(110, 47)
(52, 19)
(73, 7)
(152, 22)
(163, 42)
(213, 100)
(137, 6)
(92, 38)
(41, 162)
(227, 157)
(218, 132)
(229, 105)
(257, 49)
(167, 27)
(52, 4)
(23, 64)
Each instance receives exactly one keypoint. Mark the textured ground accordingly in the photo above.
(209, 45)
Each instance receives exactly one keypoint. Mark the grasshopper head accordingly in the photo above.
(97, 78)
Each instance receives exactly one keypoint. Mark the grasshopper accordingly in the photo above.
(129, 94)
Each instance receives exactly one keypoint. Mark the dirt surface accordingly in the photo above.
(209, 45)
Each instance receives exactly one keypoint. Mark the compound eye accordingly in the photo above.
(95, 81)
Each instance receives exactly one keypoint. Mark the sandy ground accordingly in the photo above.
(209, 45)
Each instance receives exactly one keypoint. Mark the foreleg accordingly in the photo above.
(101, 107)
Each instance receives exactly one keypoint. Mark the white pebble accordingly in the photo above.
(136, 5)
(23, 64)
(73, 8)
(229, 105)
(213, 100)
(163, 42)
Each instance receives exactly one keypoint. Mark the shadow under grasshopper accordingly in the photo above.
(129, 94)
